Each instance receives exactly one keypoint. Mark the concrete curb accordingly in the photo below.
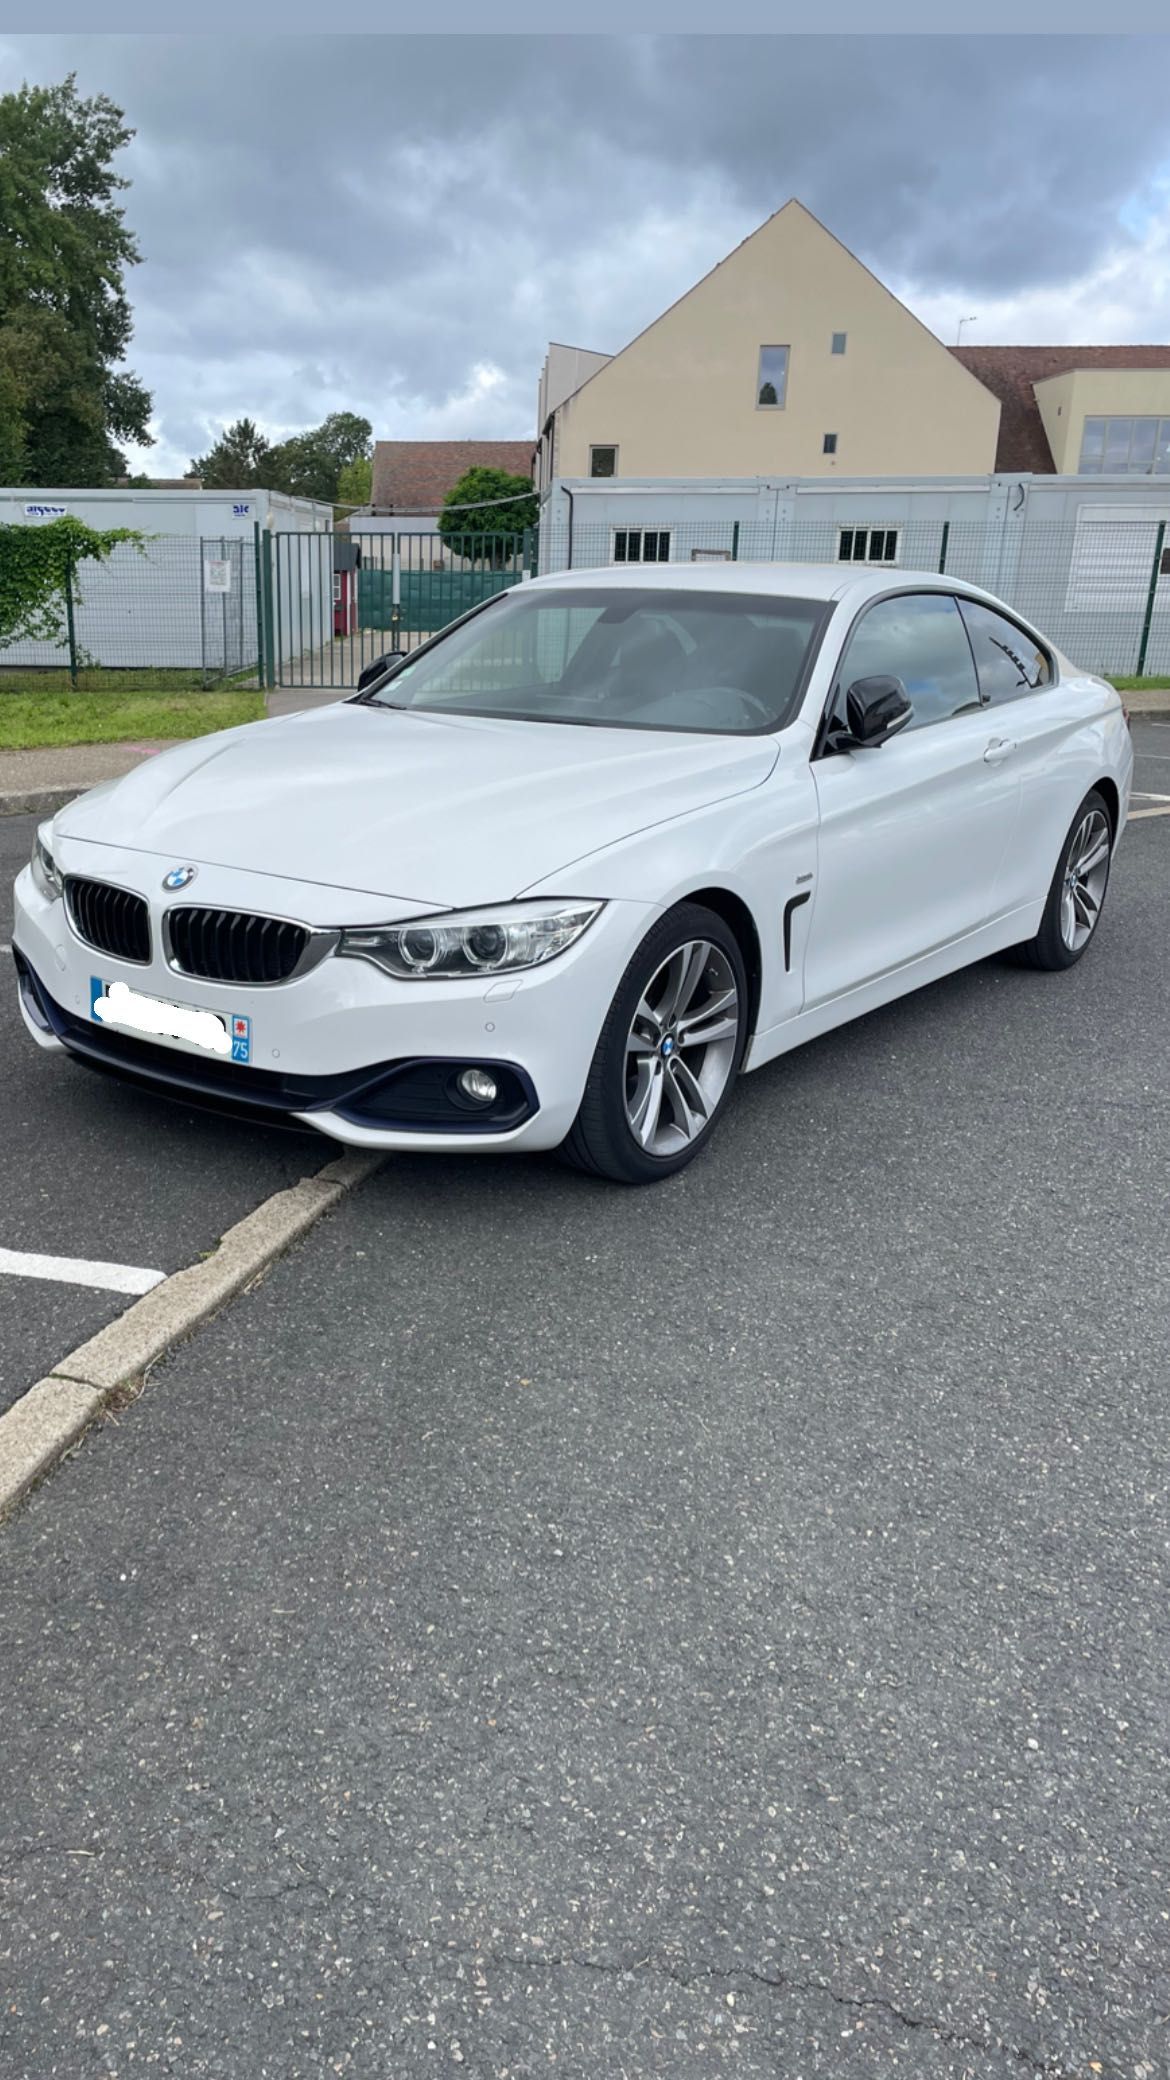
(55, 1413)
(39, 801)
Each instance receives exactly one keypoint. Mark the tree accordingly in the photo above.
(309, 465)
(240, 460)
(356, 482)
(488, 503)
(65, 320)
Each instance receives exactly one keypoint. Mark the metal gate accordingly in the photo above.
(330, 604)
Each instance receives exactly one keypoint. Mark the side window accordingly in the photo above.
(918, 638)
(1009, 663)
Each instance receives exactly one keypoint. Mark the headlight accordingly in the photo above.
(46, 879)
(471, 942)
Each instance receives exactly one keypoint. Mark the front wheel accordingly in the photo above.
(1077, 895)
(669, 1052)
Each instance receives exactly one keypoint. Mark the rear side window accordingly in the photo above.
(917, 638)
(1010, 663)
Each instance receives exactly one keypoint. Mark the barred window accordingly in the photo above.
(641, 545)
(868, 545)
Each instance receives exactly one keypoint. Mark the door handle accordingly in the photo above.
(999, 749)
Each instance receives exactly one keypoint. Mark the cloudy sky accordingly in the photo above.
(398, 225)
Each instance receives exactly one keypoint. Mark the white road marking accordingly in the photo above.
(1135, 815)
(4, 948)
(79, 1271)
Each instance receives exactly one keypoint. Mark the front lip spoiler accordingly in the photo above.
(263, 1095)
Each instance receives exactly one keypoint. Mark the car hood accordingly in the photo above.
(449, 810)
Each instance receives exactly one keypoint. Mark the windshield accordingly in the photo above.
(619, 659)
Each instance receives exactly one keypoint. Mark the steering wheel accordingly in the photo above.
(713, 694)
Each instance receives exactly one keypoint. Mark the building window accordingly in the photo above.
(1125, 448)
(829, 444)
(603, 462)
(772, 377)
(641, 545)
(868, 545)
(838, 346)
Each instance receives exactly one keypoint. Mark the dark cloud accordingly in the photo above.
(399, 224)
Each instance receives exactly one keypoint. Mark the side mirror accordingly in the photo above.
(380, 665)
(875, 708)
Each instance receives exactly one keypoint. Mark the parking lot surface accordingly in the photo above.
(545, 1628)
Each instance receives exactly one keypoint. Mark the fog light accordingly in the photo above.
(477, 1085)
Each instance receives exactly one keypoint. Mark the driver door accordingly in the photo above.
(913, 832)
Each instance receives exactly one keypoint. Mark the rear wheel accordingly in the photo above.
(669, 1052)
(1077, 895)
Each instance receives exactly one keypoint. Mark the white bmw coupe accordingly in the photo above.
(554, 879)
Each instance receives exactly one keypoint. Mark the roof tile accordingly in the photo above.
(1010, 372)
(415, 476)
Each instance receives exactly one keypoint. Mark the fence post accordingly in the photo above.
(735, 542)
(261, 672)
(1151, 595)
(202, 567)
(942, 554)
(269, 652)
(395, 591)
(69, 624)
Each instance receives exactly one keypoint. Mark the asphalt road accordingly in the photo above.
(94, 1169)
(550, 1629)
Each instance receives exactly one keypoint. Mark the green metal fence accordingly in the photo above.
(332, 604)
(175, 610)
(314, 609)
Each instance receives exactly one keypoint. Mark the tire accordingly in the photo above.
(655, 1095)
(1077, 895)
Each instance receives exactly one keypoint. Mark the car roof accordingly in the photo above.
(828, 581)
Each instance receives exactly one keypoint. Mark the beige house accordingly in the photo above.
(789, 359)
(1079, 411)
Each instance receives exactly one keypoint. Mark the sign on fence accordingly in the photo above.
(37, 512)
(217, 574)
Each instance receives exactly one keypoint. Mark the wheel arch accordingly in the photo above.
(1108, 790)
(738, 918)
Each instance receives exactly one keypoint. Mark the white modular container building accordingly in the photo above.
(1087, 558)
(185, 596)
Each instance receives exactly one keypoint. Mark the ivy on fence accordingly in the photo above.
(38, 578)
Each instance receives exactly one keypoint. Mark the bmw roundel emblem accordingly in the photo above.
(179, 877)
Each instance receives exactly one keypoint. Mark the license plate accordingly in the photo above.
(126, 1010)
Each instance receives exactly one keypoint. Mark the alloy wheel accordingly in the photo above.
(680, 1049)
(1085, 874)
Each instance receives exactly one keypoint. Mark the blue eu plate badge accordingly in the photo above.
(223, 1033)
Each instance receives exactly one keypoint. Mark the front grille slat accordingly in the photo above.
(114, 920)
(234, 945)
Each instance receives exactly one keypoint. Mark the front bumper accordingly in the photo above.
(345, 1049)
